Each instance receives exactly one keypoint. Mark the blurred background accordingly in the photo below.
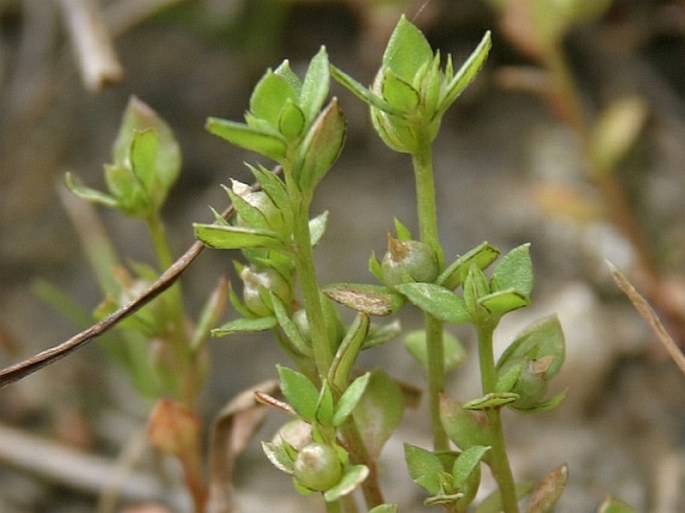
(571, 138)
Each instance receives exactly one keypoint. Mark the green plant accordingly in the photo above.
(341, 418)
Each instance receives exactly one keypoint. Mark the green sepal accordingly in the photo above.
(407, 50)
(399, 93)
(490, 401)
(292, 121)
(272, 185)
(467, 73)
(349, 399)
(315, 85)
(285, 72)
(325, 406)
(235, 237)
(321, 147)
(294, 337)
(437, 301)
(299, 392)
(375, 267)
(369, 299)
(402, 232)
(476, 286)
(354, 475)
(132, 200)
(455, 354)
(362, 92)
(245, 325)
(270, 144)
(481, 256)
(544, 406)
(250, 215)
(269, 97)
(503, 301)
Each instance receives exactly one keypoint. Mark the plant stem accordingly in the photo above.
(428, 225)
(500, 466)
(333, 507)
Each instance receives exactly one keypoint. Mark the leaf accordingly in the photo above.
(548, 490)
(245, 325)
(315, 85)
(300, 393)
(291, 122)
(467, 463)
(437, 301)
(379, 412)
(407, 50)
(424, 468)
(368, 299)
(514, 271)
(381, 334)
(454, 352)
(269, 144)
(542, 407)
(353, 477)
(491, 400)
(399, 93)
(611, 505)
(504, 301)
(402, 232)
(143, 157)
(384, 508)
(88, 194)
(321, 147)
(235, 237)
(455, 274)
(324, 406)
(317, 227)
(350, 398)
(464, 428)
(288, 326)
(361, 92)
(269, 97)
(467, 73)
(348, 350)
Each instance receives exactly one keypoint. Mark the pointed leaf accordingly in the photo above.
(291, 121)
(504, 301)
(361, 92)
(88, 194)
(288, 326)
(143, 157)
(465, 428)
(324, 406)
(467, 463)
(438, 301)
(269, 144)
(300, 393)
(424, 468)
(399, 93)
(407, 50)
(235, 237)
(285, 71)
(350, 398)
(270, 96)
(245, 325)
(455, 274)
(467, 73)
(348, 350)
(317, 227)
(514, 271)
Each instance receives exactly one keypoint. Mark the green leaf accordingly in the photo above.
(548, 490)
(317, 227)
(402, 232)
(348, 350)
(291, 331)
(300, 393)
(350, 398)
(475, 286)
(321, 147)
(375, 267)
(269, 97)
(245, 325)
(467, 73)
(399, 93)
(353, 477)
(315, 85)
(424, 468)
(454, 352)
(361, 92)
(514, 271)
(143, 157)
(285, 71)
(272, 185)
(611, 505)
(465, 428)
(504, 301)
(131, 198)
(407, 50)
(379, 412)
(269, 144)
(481, 256)
(438, 301)
(325, 406)
(368, 299)
(384, 508)
(235, 237)
(88, 194)
(491, 400)
(251, 216)
(466, 464)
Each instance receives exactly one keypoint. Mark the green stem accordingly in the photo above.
(500, 466)
(428, 225)
(333, 507)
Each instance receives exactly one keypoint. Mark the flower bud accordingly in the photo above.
(318, 467)
(407, 261)
(256, 285)
(260, 201)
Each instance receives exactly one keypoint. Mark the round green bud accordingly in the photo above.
(266, 280)
(318, 467)
(262, 202)
(407, 261)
